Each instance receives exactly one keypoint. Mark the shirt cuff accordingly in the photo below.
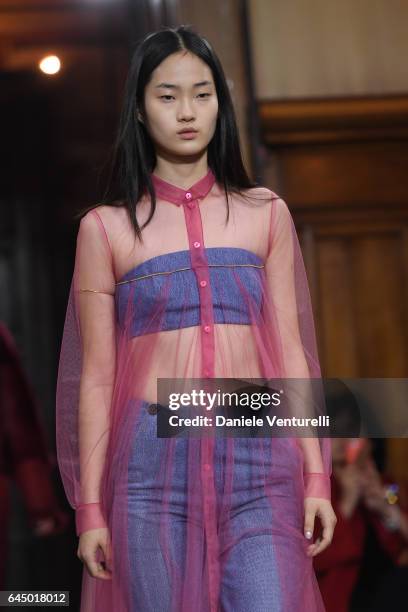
(88, 516)
(317, 484)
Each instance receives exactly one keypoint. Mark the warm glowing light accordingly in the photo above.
(50, 64)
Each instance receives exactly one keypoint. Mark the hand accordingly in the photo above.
(315, 506)
(89, 543)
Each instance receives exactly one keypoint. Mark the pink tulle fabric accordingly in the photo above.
(199, 298)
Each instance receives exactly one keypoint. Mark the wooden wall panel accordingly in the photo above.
(336, 321)
(380, 325)
(320, 48)
(341, 165)
(362, 315)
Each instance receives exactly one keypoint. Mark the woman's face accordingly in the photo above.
(181, 94)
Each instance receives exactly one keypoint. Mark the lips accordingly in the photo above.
(188, 131)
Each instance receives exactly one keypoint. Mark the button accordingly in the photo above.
(206, 466)
(152, 409)
(197, 244)
(203, 283)
(207, 328)
(188, 195)
(190, 204)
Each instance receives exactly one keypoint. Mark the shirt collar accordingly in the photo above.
(177, 195)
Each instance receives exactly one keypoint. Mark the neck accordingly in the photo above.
(181, 175)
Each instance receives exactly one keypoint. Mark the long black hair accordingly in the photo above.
(134, 156)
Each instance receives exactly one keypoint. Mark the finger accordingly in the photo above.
(107, 553)
(323, 541)
(96, 569)
(309, 523)
(312, 547)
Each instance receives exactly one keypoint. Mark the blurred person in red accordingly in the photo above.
(24, 458)
(367, 504)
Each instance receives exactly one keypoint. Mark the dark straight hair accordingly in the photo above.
(134, 156)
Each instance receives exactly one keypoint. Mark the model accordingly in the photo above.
(187, 270)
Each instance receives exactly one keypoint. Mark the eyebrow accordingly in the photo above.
(173, 86)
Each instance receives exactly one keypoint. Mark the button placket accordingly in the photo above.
(199, 261)
(201, 269)
(210, 520)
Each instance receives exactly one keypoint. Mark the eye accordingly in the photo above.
(202, 95)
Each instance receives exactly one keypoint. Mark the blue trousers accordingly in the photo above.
(250, 576)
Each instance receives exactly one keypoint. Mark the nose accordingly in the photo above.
(185, 110)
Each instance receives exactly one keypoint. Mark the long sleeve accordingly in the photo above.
(289, 293)
(86, 381)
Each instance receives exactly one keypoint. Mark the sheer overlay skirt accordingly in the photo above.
(250, 571)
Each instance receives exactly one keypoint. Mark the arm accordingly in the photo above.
(298, 363)
(289, 294)
(94, 287)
